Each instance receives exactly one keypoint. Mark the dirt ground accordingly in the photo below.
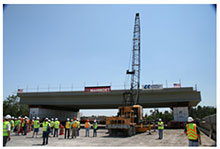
(171, 137)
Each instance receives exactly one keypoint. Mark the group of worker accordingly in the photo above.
(191, 130)
(21, 125)
(50, 127)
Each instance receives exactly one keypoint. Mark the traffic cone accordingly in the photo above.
(61, 130)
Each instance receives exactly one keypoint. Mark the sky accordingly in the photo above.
(67, 47)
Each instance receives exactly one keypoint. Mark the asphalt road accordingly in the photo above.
(172, 137)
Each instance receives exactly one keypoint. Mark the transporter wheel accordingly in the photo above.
(130, 132)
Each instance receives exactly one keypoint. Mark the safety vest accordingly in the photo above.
(51, 123)
(161, 125)
(95, 125)
(45, 125)
(78, 124)
(87, 124)
(36, 124)
(18, 123)
(67, 124)
(75, 124)
(12, 123)
(57, 124)
(23, 123)
(15, 123)
(5, 130)
(191, 131)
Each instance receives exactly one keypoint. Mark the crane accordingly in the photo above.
(131, 97)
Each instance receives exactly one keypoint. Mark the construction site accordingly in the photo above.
(129, 127)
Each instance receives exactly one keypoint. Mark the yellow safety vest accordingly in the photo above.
(161, 125)
(5, 130)
(67, 124)
(45, 125)
(51, 124)
(36, 124)
(12, 123)
(191, 131)
(78, 124)
(57, 124)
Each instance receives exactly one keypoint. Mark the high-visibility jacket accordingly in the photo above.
(57, 124)
(75, 124)
(45, 126)
(160, 125)
(51, 123)
(5, 130)
(67, 124)
(95, 125)
(23, 123)
(12, 123)
(191, 131)
(18, 123)
(36, 124)
(87, 124)
(78, 124)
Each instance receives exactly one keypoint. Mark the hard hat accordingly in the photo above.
(33, 118)
(160, 119)
(190, 119)
(94, 120)
(67, 119)
(15, 118)
(56, 119)
(74, 118)
(38, 118)
(12, 117)
(19, 117)
(8, 116)
(46, 119)
(52, 119)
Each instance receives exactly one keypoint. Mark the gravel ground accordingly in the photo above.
(171, 138)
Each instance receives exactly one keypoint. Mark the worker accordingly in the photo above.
(87, 126)
(49, 129)
(25, 125)
(160, 128)
(45, 131)
(15, 126)
(56, 127)
(36, 126)
(32, 123)
(192, 131)
(21, 128)
(95, 125)
(51, 125)
(78, 129)
(18, 125)
(149, 127)
(67, 128)
(12, 124)
(74, 127)
(6, 129)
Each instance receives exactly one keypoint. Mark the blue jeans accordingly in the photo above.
(45, 137)
(77, 132)
(87, 132)
(94, 133)
(193, 143)
(55, 132)
(25, 130)
(160, 133)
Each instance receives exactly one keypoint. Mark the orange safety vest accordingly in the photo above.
(191, 131)
(87, 124)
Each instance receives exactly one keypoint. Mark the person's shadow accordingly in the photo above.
(37, 144)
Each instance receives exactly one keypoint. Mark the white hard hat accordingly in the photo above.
(12, 117)
(8, 116)
(15, 118)
(19, 117)
(52, 119)
(67, 119)
(46, 119)
(33, 118)
(56, 119)
(190, 119)
(160, 119)
(38, 118)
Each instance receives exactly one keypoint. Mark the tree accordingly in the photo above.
(13, 107)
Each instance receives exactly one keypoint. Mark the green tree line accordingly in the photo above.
(198, 112)
(13, 107)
